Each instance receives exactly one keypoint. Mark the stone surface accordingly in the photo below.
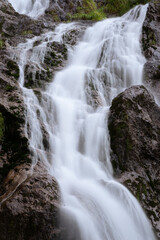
(134, 125)
(31, 211)
(58, 10)
(151, 47)
(29, 198)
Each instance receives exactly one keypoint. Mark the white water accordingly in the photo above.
(32, 8)
(108, 59)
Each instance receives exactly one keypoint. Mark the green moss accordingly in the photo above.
(119, 7)
(27, 32)
(1, 126)
(13, 69)
(9, 88)
(88, 11)
(1, 43)
(55, 16)
(129, 145)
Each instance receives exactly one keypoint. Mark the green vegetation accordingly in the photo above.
(1, 43)
(119, 7)
(91, 11)
(88, 11)
(27, 32)
(1, 126)
(9, 88)
(55, 16)
(13, 69)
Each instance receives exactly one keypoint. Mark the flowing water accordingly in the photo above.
(32, 8)
(74, 110)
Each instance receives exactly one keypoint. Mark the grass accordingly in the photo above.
(119, 7)
(89, 10)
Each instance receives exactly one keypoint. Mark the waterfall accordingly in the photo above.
(74, 110)
(32, 8)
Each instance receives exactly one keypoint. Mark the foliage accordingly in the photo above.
(55, 16)
(27, 32)
(88, 11)
(119, 7)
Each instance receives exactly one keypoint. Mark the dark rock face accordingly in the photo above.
(29, 198)
(32, 211)
(151, 47)
(54, 60)
(13, 143)
(134, 126)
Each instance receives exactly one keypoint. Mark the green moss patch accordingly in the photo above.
(55, 16)
(1, 43)
(27, 32)
(119, 7)
(88, 11)
(13, 69)
(1, 126)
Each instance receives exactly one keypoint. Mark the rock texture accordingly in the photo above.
(58, 10)
(151, 47)
(29, 197)
(32, 210)
(134, 126)
(13, 143)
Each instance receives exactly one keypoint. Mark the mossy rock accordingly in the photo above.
(2, 126)
(35, 77)
(13, 69)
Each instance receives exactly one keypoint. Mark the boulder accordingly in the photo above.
(30, 211)
(134, 126)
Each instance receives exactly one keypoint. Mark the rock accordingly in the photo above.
(134, 126)
(29, 201)
(32, 211)
(151, 47)
(54, 59)
(58, 10)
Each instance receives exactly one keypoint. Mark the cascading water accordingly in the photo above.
(32, 8)
(74, 110)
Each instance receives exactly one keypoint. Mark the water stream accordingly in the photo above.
(74, 110)
(32, 8)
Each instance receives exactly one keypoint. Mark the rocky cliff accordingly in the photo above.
(134, 126)
(29, 196)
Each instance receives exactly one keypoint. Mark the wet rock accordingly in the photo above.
(54, 59)
(74, 35)
(32, 211)
(134, 125)
(58, 10)
(151, 47)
